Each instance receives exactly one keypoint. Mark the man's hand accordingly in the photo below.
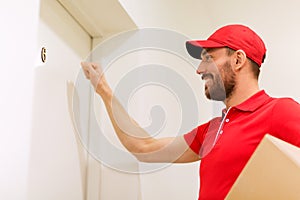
(94, 73)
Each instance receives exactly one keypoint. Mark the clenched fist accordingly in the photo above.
(94, 73)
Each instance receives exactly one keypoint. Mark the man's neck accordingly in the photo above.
(240, 94)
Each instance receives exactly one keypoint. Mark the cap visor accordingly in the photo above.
(195, 47)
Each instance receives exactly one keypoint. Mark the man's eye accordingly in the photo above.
(208, 58)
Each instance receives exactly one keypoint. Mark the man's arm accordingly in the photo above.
(135, 139)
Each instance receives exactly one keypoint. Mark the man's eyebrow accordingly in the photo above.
(207, 51)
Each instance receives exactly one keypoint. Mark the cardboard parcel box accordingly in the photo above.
(273, 172)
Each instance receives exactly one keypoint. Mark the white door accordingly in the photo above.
(58, 163)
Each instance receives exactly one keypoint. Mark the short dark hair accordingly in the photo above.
(254, 65)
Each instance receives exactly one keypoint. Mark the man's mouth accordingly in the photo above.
(208, 78)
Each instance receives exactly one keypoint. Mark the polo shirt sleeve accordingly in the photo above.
(286, 121)
(195, 137)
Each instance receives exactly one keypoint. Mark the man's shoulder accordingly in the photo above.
(284, 105)
(284, 101)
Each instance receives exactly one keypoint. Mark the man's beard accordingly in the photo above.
(220, 90)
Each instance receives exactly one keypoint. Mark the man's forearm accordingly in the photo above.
(131, 135)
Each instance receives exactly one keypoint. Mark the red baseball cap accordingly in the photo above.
(236, 37)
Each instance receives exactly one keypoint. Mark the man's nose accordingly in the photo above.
(201, 68)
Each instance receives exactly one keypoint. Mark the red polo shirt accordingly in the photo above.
(226, 144)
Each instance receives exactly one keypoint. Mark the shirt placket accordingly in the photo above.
(225, 120)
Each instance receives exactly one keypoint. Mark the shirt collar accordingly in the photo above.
(254, 102)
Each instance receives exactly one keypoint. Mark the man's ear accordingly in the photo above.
(239, 59)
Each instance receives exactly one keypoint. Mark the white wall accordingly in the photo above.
(18, 45)
(276, 21)
(163, 183)
(119, 174)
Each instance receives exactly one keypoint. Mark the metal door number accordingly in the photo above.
(43, 54)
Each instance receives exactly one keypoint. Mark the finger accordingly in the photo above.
(86, 73)
(88, 69)
(97, 67)
(85, 65)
